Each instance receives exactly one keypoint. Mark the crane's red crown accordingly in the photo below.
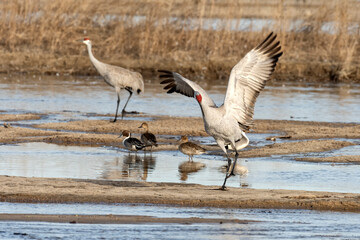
(198, 97)
(85, 39)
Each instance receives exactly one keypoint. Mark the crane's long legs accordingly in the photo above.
(123, 111)
(233, 167)
(228, 168)
(117, 107)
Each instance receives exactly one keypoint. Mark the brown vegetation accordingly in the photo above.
(41, 36)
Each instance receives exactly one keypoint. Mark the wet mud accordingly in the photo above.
(295, 136)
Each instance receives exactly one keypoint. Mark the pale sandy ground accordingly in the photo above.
(112, 219)
(52, 190)
(343, 159)
(19, 117)
(168, 129)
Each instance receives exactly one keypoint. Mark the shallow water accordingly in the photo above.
(76, 98)
(68, 98)
(277, 172)
(273, 223)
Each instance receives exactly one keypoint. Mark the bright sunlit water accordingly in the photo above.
(273, 223)
(277, 172)
(73, 98)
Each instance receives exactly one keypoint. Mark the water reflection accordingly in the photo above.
(276, 172)
(130, 167)
(188, 167)
(65, 98)
(282, 223)
(240, 172)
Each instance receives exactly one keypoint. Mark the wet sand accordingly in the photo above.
(310, 136)
(52, 190)
(112, 219)
(19, 117)
(342, 159)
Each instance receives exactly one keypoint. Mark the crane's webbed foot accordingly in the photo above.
(113, 120)
(130, 112)
(224, 188)
(123, 112)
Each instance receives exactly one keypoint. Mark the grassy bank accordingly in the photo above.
(320, 38)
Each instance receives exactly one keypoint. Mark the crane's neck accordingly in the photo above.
(207, 110)
(94, 61)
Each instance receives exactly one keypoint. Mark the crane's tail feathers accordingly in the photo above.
(242, 143)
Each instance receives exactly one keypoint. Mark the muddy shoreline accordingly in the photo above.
(295, 136)
(113, 219)
(52, 190)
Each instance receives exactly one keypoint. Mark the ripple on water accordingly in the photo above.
(77, 97)
(276, 172)
(273, 223)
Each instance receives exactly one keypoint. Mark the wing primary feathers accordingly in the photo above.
(248, 78)
(260, 45)
(175, 83)
(271, 48)
(278, 55)
(268, 43)
(271, 52)
(165, 71)
(166, 76)
(171, 90)
(166, 81)
(171, 85)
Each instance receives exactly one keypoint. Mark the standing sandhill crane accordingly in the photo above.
(227, 123)
(117, 77)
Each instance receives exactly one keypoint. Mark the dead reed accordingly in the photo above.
(205, 37)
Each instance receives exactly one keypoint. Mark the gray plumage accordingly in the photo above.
(117, 77)
(228, 122)
(147, 137)
(131, 143)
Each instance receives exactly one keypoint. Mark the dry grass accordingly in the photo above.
(42, 36)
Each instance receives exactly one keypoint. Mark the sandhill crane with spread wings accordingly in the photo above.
(228, 122)
(117, 77)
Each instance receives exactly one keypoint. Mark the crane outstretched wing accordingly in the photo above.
(177, 83)
(248, 77)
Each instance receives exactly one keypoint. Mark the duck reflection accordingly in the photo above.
(188, 167)
(129, 167)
